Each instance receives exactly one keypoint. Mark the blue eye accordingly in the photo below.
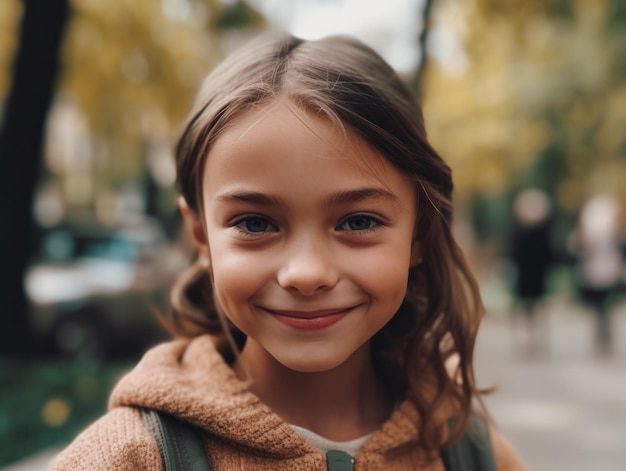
(357, 223)
(255, 225)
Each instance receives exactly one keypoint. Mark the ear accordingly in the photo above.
(195, 226)
(416, 253)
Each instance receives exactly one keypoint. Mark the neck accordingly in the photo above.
(340, 404)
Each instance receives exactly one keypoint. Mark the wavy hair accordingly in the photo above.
(350, 84)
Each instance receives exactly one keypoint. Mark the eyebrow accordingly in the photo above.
(339, 198)
(252, 197)
(358, 195)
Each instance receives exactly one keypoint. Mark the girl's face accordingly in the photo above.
(310, 236)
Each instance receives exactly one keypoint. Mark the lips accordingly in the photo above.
(310, 320)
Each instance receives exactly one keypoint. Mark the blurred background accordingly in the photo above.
(526, 99)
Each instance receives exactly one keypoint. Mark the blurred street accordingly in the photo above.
(563, 410)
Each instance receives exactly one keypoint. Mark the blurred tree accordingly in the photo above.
(416, 82)
(530, 92)
(238, 16)
(10, 13)
(132, 69)
(129, 73)
(21, 138)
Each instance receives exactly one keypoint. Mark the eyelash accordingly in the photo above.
(243, 220)
(374, 224)
(241, 225)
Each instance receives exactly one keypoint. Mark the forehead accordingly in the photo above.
(278, 138)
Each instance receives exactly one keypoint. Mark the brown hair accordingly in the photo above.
(353, 86)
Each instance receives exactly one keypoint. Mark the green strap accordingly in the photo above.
(181, 447)
(473, 451)
(339, 461)
(180, 444)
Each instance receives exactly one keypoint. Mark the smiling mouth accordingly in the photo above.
(310, 320)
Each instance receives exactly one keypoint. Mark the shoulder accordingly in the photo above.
(118, 440)
(505, 456)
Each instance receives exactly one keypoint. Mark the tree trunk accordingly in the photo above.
(416, 83)
(21, 138)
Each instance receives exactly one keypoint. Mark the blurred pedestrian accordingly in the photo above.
(531, 254)
(599, 242)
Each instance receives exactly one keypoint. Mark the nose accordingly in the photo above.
(307, 268)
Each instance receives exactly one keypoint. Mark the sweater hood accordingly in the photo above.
(190, 380)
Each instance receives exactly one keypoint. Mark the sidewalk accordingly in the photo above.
(565, 409)
(39, 462)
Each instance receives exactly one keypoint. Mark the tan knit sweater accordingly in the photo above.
(190, 379)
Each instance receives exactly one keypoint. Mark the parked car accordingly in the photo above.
(95, 290)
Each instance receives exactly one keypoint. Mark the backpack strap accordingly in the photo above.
(473, 451)
(181, 448)
(179, 443)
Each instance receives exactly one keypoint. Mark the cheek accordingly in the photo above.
(384, 275)
(237, 276)
(392, 284)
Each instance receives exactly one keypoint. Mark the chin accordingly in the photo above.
(311, 365)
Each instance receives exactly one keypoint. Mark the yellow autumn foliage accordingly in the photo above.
(533, 80)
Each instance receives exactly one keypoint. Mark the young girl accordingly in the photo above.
(330, 307)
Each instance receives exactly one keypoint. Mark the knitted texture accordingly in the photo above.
(189, 379)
